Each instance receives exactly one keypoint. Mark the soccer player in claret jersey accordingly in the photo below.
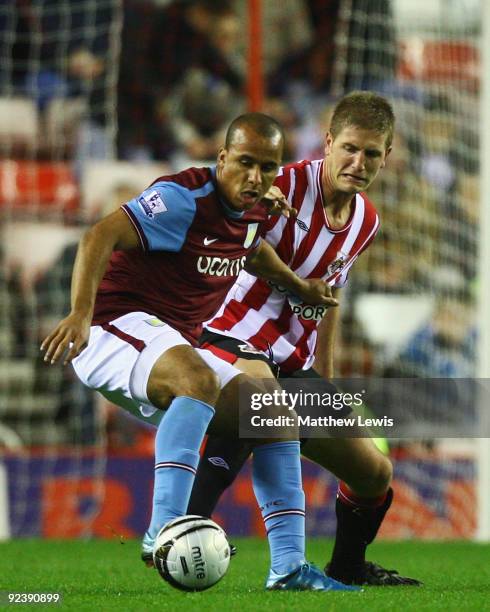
(144, 279)
(261, 326)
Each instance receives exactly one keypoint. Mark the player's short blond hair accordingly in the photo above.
(364, 109)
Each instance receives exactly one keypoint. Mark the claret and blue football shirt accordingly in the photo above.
(192, 248)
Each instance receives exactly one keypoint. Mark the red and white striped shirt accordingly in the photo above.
(267, 316)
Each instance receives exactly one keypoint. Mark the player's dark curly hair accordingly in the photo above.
(364, 109)
(262, 124)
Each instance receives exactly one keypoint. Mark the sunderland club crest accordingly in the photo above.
(338, 264)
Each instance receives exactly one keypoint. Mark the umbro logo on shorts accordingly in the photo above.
(219, 462)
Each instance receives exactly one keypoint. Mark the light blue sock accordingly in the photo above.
(279, 492)
(177, 442)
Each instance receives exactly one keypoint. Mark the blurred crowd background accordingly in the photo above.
(97, 99)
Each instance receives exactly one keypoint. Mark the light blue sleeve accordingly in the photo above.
(162, 215)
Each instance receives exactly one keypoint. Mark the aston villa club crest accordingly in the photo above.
(338, 264)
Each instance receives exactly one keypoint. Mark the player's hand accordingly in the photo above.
(316, 291)
(69, 337)
(277, 203)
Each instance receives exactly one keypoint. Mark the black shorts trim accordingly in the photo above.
(240, 348)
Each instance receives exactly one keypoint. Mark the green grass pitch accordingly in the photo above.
(107, 575)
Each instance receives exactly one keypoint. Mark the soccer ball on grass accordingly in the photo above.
(191, 553)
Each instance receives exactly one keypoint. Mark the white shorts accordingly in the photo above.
(121, 354)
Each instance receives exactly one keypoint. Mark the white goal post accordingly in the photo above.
(483, 533)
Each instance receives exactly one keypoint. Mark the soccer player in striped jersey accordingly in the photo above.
(262, 328)
(145, 277)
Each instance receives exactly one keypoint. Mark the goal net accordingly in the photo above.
(58, 72)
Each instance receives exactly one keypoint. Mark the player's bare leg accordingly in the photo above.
(181, 371)
(355, 461)
(363, 498)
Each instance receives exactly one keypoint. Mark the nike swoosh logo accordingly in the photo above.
(208, 241)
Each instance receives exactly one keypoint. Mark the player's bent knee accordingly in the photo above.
(385, 473)
(160, 392)
(381, 480)
(377, 481)
(202, 385)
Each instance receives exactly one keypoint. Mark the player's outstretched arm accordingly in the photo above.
(265, 263)
(114, 232)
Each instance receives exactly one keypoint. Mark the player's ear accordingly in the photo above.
(221, 157)
(328, 143)
(387, 152)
